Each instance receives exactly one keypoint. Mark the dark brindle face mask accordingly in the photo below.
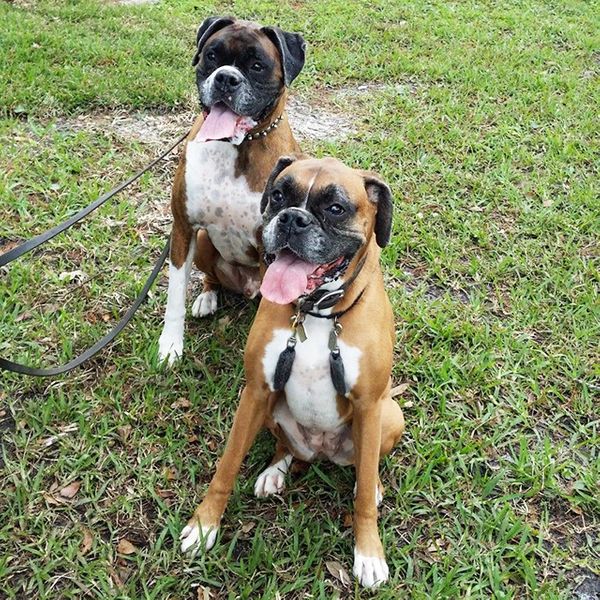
(242, 70)
(317, 215)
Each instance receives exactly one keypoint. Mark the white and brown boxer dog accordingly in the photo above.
(242, 73)
(319, 355)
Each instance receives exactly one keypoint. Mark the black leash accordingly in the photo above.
(29, 245)
(9, 365)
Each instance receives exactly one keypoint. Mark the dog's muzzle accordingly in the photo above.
(227, 84)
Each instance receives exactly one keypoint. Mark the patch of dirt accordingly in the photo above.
(147, 128)
(308, 121)
(365, 89)
(433, 290)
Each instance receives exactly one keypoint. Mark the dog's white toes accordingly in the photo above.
(268, 484)
(193, 538)
(170, 349)
(272, 479)
(378, 494)
(205, 304)
(371, 571)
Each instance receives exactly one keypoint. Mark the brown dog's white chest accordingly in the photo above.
(220, 202)
(309, 413)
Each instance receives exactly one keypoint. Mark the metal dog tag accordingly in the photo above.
(333, 336)
(298, 326)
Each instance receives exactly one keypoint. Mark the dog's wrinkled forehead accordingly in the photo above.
(309, 181)
(243, 42)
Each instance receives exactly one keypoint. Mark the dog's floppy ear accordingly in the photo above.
(206, 29)
(380, 194)
(283, 163)
(292, 48)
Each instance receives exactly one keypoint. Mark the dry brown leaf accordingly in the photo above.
(399, 389)
(247, 527)
(348, 520)
(165, 493)
(125, 547)
(336, 569)
(86, 543)
(24, 316)
(8, 247)
(124, 432)
(170, 473)
(77, 276)
(50, 499)
(70, 490)
(115, 577)
(203, 593)
(181, 403)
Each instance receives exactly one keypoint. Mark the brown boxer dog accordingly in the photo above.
(319, 355)
(243, 71)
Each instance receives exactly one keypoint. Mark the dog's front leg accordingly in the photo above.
(183, 244)
(202, 528)
(369, 561)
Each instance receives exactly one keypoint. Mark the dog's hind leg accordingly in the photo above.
(272, 479)
(205, 259)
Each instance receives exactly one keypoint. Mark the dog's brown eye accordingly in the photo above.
(336, 210)
(258, 67)
(276, 197)
(211, 56)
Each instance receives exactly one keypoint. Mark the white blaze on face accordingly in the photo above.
(222, 122)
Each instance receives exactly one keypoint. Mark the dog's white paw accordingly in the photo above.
(205, 304)
(378, 494)
(371, 571)
(194, 538)
(272, 479)
(170, 348)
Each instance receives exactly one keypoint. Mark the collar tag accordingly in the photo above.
(333, 336)
(298, 326)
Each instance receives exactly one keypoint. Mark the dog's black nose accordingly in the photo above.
(227, 81)
(296, 219)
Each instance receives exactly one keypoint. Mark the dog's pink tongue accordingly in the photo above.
(218, 124)
(286, 279)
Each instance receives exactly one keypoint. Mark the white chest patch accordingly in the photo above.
(221, 203)
(309, 391)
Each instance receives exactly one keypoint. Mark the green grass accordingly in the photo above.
(487, 131)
